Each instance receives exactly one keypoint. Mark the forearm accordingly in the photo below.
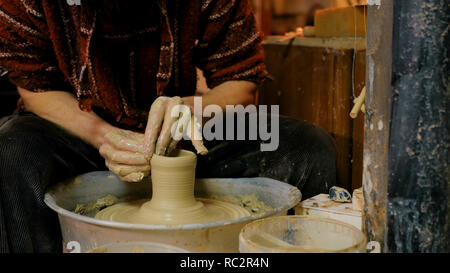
(62, 109)
(228, 93)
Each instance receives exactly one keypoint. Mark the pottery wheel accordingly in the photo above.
(141, 212)
(173, 201)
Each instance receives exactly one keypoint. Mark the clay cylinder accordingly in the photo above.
(173, 179)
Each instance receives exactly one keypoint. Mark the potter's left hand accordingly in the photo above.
(166, 124)
(123, 155)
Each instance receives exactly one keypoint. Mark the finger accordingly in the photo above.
(133, 177)
(179, 129)
(154, 123)
(126, 140)
(196, 136)
(172, 146)
(177, 135)
(181, 126)
(171, 117)
(122, 157)
(199, 147)
(123, 170)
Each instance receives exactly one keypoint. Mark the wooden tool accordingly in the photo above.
(359, 104)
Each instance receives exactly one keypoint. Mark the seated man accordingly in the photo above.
(97, 76)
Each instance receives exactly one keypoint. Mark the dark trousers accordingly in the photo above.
(35, 153)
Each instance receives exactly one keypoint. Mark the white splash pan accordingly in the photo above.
(222, 236)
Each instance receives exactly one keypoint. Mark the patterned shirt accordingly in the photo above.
(118, 71)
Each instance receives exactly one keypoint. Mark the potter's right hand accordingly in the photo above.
(159, 137)
(123, 153)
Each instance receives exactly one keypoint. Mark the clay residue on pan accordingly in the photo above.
(250, 202)
(98, 250)
(78, 181)
(92, 208)
(136, 249)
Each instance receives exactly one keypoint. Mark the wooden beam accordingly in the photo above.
(377, 119)
(418, 211)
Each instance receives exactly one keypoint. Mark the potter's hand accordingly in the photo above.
(123, 153)
(167, 121)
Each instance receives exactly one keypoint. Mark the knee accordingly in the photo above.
(24, 165)
(323, 145)
(305, 137)
(17, 150)
(22, 137)
(323, 163)
(322, 148)
(314, 151)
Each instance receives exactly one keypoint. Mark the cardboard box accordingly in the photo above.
(322, 206)
(341, 22)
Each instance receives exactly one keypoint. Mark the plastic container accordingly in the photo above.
(300, 234)
(138, 247)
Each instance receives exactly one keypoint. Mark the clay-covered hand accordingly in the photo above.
(168, 120)
(124, 155)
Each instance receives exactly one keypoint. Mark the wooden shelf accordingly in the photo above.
(313, 82)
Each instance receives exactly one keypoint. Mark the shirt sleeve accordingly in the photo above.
(229, 45)
(26, 51)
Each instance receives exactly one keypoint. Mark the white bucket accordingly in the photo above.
(300, 234)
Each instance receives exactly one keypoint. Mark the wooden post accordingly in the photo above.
(407, 132)
(377, 119)
(418, 211)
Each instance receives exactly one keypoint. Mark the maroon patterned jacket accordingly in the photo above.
(118, 71)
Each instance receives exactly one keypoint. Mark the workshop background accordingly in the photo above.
(332, 68)
(316, 55)
(332, 73)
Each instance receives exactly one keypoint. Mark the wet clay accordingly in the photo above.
(136, 249)
(93, 208)
(173, 201)
(127, 141)
(250, 202)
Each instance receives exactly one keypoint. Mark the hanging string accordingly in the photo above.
(354, 54)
